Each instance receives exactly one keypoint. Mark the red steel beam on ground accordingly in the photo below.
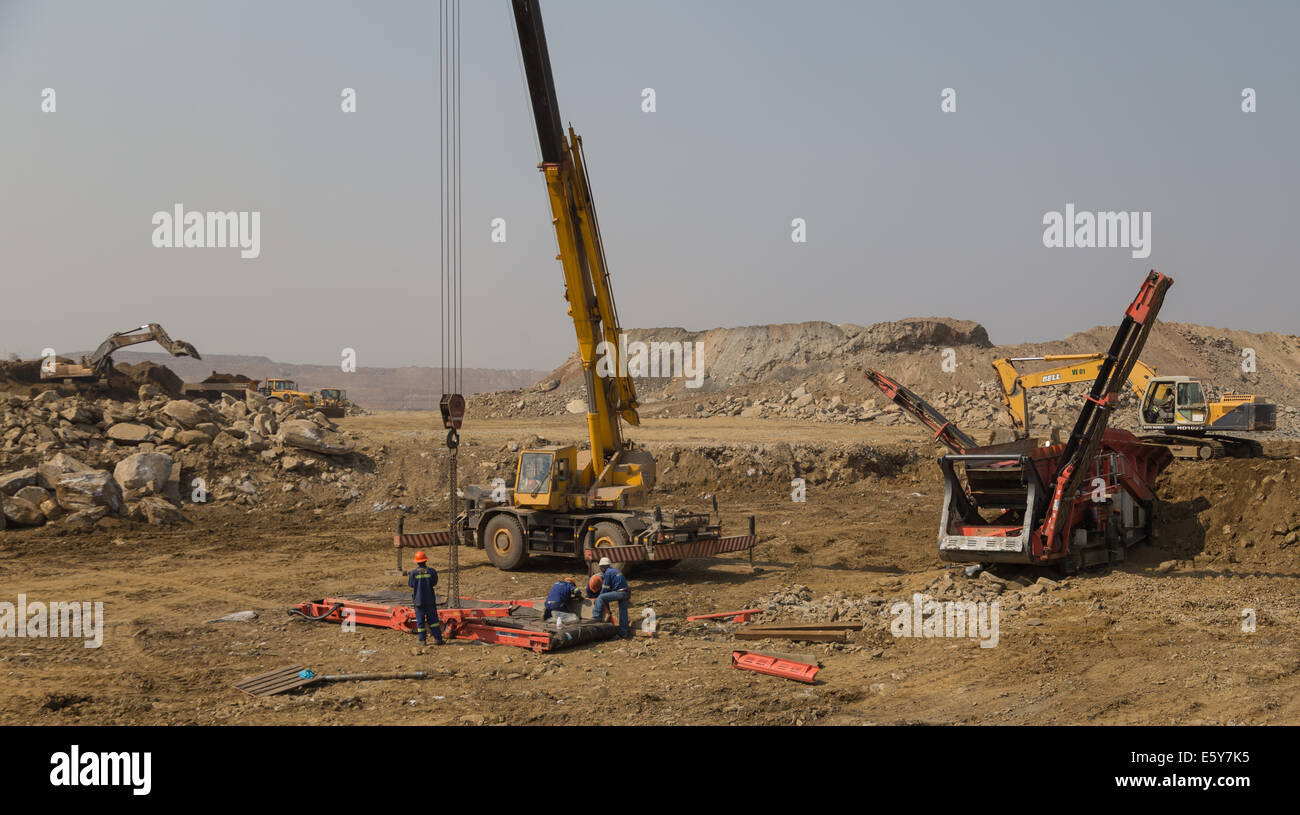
(734, 616)
(775, 666)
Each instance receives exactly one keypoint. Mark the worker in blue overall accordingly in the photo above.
(559, 597)
(613, 588)
(422, 581)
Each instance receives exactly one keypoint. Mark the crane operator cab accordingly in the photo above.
(1175, 401)
(544, 476)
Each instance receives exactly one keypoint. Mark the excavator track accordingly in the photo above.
(1205, 448)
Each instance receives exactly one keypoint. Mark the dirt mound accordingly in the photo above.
(149, 373)
(1234, 511)
(814, 372)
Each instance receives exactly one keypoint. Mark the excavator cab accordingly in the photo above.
(1174, 401)
(545, 476)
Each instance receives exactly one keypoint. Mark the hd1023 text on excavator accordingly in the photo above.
(1073, 505)
(1172, 408)
(568, 502)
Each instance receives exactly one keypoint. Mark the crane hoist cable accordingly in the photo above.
(451, 266)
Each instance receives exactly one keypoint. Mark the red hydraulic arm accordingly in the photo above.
(1091, 425)
(944, 430)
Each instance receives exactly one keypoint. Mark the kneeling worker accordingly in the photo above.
(561, 594)
(422, 580)
(613, 587)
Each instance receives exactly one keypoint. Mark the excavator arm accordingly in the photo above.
(611, 394)
(1014, 386)
(101, 359)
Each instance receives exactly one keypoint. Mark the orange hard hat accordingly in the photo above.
(421, 557)
(595, 582)
(571, 580)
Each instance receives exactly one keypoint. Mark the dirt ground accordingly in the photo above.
(1158, 640)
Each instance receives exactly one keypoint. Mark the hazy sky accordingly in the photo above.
(766, 111)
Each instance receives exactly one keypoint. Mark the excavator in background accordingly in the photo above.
(1073, 505)
(1173, 408)
(564, 501)
(97, 366)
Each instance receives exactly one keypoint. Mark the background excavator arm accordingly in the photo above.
(102, 357)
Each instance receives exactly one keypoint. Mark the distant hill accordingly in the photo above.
(408, 388)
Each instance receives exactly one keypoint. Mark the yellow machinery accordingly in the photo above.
(332, 402)
(1174, 407)
(567, 501)
(284, 390)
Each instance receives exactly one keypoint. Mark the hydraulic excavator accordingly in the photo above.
(1071, 505)
(565, 501)
(98, 365)
(1172, 408)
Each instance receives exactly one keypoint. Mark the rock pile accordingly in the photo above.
(76, 459)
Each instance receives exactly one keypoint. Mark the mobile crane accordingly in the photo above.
(565, 501)
(1071, 505)
(1173, 408)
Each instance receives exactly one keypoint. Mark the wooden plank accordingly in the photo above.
(785, 634)
(843, 626)
(275, 681)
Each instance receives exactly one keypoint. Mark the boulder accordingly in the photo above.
(148, 391)
(264, 424)
(12, 482)
(255, 401)
(52, 511)
(185, 413)
(21, 512)
(143, 474)
(57, 466)
(86, 519)
(308, 435)
(120, 412)
(78, 492)
(576, 406)
(37, 495)
(129, 432)
(157, 511)
(189, 438)
(79, 413)
(254, 441)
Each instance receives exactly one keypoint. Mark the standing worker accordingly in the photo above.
(561, 594)
(422, 580)
(613, 588)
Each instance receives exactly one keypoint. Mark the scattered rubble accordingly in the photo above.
(77, 459)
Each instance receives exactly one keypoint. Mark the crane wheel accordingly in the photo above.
(503, 538)
(605, 535)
